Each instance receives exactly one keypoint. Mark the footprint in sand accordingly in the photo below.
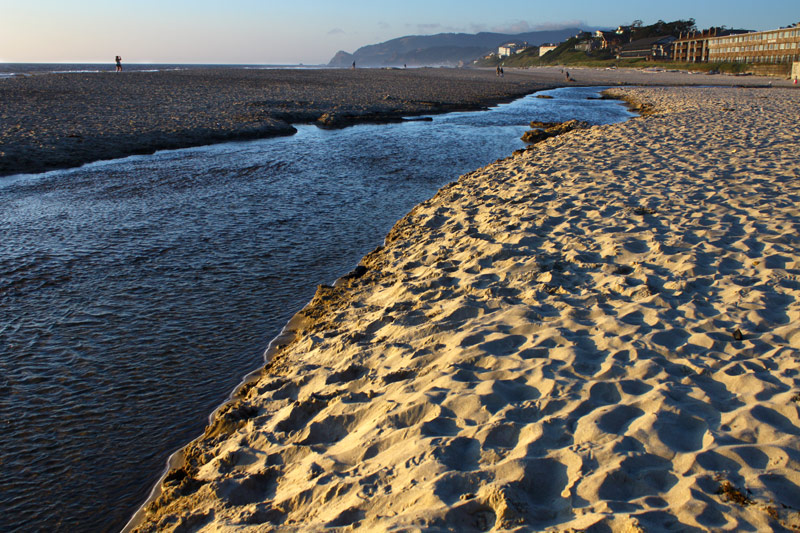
(461, 453)
(638, 476)
(618, 419)
(681, 432)
(250, 488)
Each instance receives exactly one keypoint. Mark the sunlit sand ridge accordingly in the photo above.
(600, 333)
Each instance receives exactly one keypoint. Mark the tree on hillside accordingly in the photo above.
(661, 28)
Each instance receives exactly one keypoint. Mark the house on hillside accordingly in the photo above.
(650, 48)
(511, 48)
(547, 47)
(611, 40)
(588, 45)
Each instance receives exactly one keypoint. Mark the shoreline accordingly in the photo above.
(331, 368)
(59, 121)
(286, 337)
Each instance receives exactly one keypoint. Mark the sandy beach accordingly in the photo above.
(599, 333)
(64, 120)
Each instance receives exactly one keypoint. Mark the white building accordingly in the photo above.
(549, 47)
(510, 49)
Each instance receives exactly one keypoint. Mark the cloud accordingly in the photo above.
(523, 26)
(428, 29)
(384, 25)
(520, 26)
(545, 26)
(336, 31)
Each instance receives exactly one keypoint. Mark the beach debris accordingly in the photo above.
(730, 493)
(644, 210)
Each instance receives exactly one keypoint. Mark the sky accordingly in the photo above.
(312, 31)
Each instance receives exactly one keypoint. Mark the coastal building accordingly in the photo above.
(611, 40)
(511, 48)
(650, 48)
(692, 47)
(588, 45)
(547, 47)
(717, 45)
(773, 46)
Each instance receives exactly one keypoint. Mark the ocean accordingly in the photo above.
(8, 70)
(136, 293)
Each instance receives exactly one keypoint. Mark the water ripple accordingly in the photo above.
(134, 294)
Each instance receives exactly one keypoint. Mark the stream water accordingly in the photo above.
(136, 293)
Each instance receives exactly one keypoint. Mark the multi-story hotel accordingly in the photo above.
(773, 46)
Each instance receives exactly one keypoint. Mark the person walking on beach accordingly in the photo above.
(118, 60)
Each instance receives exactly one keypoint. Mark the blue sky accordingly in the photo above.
(312, 31)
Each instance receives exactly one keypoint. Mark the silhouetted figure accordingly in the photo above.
(354, 65)
(497, 71)
(118, 60)
(502, 73)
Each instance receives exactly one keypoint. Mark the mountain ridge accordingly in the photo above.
(441, 49)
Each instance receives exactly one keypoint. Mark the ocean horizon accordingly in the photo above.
(8, 70)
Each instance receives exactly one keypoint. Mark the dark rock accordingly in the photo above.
(550, 129)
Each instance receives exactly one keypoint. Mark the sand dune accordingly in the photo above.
(601, 333)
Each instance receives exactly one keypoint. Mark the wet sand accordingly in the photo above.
(65, 120)
(600, 333)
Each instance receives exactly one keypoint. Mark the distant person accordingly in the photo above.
(502, 72)
(354, 65)
(118, 61)
(497, 71)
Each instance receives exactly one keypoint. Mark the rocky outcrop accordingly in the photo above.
(545, 130)
(341, 59)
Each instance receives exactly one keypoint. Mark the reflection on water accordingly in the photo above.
(135, 294)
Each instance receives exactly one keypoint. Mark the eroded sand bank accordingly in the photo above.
(601, 333)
